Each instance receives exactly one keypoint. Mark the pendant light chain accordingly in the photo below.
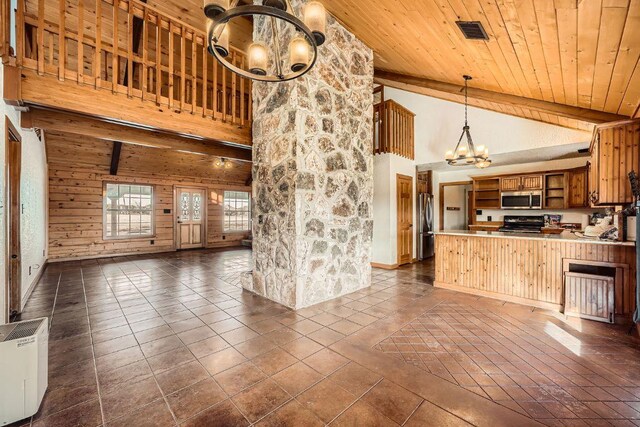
(465, 100)
(467, 153)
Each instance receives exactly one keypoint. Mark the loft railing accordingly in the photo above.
(132, 49)
(393, 130)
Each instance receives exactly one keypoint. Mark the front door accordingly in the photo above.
(190, 220)
(404, 191)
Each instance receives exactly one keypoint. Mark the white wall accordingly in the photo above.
(439, 123)
(33, 188)
(385, 213)
(455, 196)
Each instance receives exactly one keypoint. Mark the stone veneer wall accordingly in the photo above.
(313, 176)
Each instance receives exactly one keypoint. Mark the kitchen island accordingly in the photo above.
(530, 268)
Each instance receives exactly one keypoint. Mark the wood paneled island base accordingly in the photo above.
(528, 269)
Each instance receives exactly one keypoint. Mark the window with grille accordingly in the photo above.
(237, 211)
(128, 211)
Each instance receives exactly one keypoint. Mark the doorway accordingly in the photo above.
(456, 205)
(191, 217)
(13, 294)
(404, 196)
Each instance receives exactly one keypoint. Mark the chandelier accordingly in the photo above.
(465, 152)
(302, 50)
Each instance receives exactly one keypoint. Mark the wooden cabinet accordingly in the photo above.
(577, 183)
(486, 193)
(555, 194)
(510, 183)
(521, 183)
(614, 153)
(589, 296)
(531, 182)
(561, 189)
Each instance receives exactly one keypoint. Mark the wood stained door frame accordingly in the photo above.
(441, 200)
(205, 214)
(13, 149)
(398, 177)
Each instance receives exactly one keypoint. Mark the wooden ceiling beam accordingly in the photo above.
(115, 157)
(58, 121)
(418, 85)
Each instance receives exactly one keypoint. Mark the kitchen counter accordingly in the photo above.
(528, 268)
(564, 236)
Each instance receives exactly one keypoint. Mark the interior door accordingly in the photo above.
(191, 218)
(14, 161)
(404, 191)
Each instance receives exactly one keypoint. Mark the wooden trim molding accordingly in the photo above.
(441, 199)
(384, 266)
(13, 147)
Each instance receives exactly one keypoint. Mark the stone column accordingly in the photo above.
(313, 176)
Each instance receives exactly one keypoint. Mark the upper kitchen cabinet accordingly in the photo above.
(614, 153)
(577, 183)
(521, 183)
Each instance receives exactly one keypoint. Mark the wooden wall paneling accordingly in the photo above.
(75, 194)
(523, 270)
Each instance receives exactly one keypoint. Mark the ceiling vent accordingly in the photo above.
(473, 30)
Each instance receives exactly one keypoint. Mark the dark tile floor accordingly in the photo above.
(172, 339)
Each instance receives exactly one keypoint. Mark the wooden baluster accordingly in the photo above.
(224, 93)
(214, 102)
(20, 31)
(130, 49)
(145, 48)
(242, 103)
(50, 48)
(80, 71)
(97, 64)
(233, 91)
(115, 58)
(183, 64)
(194, 74)
(158, 68)
(41, 37)
(205, 77)
(171, 55)
(413, 138)
(62, 51)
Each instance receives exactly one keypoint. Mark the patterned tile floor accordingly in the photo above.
(533, 366)
(171, 339)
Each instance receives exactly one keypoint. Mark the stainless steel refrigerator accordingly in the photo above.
(426, 238)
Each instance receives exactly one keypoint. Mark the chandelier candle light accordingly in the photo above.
(302, 49)
(465, 152)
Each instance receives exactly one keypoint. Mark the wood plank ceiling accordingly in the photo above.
(97, 154)
(581, 53)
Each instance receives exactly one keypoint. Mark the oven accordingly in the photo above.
(521, 200)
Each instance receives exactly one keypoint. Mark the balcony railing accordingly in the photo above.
(132, 49)
(393, 130)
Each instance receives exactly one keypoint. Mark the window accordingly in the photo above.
(237, 211)
(128, 211)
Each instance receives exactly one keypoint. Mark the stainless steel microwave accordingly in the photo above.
(521, 200)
